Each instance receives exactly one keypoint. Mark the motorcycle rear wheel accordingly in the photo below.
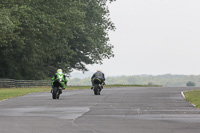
(96, 89)
(55, 93)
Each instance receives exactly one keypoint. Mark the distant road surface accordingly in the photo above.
(116, 110)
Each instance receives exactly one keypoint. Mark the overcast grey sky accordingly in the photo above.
(154, 37)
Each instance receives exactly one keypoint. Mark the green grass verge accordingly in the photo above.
(15, 92)
(6, 93)
(193, 97)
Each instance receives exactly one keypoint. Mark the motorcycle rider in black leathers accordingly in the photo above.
(98, 76)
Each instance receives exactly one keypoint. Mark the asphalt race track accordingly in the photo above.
(116, 110)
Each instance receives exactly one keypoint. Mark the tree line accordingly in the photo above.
(39, 36)
(166, 80)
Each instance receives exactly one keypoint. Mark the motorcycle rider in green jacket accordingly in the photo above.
(61, 77)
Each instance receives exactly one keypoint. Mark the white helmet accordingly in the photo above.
(98, 70)
(59, 71)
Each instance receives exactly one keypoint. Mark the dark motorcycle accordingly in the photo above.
(56, 89)
(98, 86)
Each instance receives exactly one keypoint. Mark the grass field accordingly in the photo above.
(193, 97)
(6, 93)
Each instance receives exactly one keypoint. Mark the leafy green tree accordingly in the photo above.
(90, 41)
(39, 36)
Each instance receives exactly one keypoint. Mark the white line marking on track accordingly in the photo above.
(182, 93)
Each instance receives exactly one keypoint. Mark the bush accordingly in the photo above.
(190, 83)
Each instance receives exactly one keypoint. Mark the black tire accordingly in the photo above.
(95, 89)
(55, 93)
(99, 90)
(58, 96)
